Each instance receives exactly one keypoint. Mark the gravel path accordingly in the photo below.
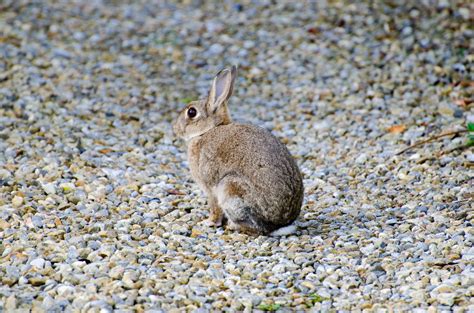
(97, 208)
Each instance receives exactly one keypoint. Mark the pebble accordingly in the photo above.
(11, 303)
(446, 298)
(38, 263)
(458, 113)
(49, 188)
(361, 159)
(17, 201)
(216, 49)
(4, 225)
(37, 221)
(37, 281)
(65, 291)
(97, 209)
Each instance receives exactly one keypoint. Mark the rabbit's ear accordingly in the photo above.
(221, 88)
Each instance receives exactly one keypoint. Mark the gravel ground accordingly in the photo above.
(97, 208)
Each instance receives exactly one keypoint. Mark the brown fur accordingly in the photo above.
(235, 190)
(247, 173)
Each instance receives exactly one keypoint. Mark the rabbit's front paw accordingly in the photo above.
(213, 222)
(216, 217)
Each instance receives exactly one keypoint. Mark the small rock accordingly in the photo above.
(465, 13)
(49, 188)
(445, 110)
(446, 298)
(116, 272)
(216, 49)
(279, 268)
(4, 174)
(22, 280)
(4, 224)
(37, 281)
(361, 159)
(458, 113)
(65, 291)
(61, 53)
(443, 288)
(9, 281)
(392, 221)
(308, 285)
(38, 263)
(301, 260)
(37, 221)
(17, 201)
(10, 303)
(48, 302)
(238, 7)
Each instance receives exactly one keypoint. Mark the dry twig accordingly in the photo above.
(422, 142)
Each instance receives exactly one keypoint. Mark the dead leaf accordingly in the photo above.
(105, 150)
(195, 233)
(463, 102)
(314, 31)
(397, 129)
(466, 83)
(176, 192)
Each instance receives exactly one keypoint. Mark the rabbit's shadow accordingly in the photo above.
(312, 228)
(318, 224)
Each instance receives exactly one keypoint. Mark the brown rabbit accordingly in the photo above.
(249, 176)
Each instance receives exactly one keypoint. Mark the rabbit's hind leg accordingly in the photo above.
(216, 216)
(231, 197)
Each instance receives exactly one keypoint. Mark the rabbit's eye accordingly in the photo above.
(192, 112)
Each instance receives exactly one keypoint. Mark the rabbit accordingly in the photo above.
(250, 178)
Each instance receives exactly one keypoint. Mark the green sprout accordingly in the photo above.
(314, 298)
(269, 307)
(470, 134)
(186, 100)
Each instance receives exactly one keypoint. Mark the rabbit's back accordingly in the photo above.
(253, 153)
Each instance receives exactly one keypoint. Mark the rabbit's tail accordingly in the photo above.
(284, 231)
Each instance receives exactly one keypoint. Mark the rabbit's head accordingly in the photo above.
(202, 115)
